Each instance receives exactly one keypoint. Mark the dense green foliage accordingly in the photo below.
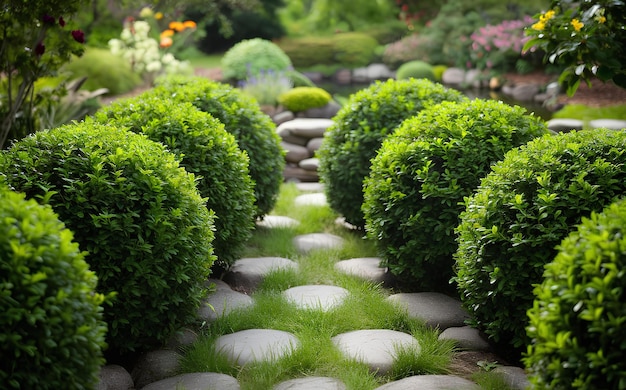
(135, 211)
(354, 50)
(251, 56)
(51, 328)
(302, 98)
(522, 210)
(254, 131)
(416, 69)
(422, 172)
(308, 51)
(578, 316)
(206, 150)
(360, 127)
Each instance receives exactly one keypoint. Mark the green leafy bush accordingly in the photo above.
(360, 127)
(254, 131)
(250, 56)
(308, 51)
(51, 328)
(414, 193)
(577, 319)
(135, 211)
(439, 70)
(522, 210)
(206, 150)
(354, 49)
(416, 69)
(302, 98)
(103, 70)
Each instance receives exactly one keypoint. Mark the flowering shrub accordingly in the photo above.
(266, 86)
(497, 47)
(587, 37)
(409, 48)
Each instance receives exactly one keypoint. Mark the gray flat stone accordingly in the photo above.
(308, 242)
(515, 377)
(466, 338)
(253, 345)
(310, 187)
(248, 273)
(341, 221)
(613, 124)
(305, 127)
(295, 153)
(311, 383)
(375, 347)
(564, 124)
(318, 297)
(154, 366)
(114, 377)
(314, 144)
(310, 164)
(367, 268)
(315, 199)
(221, 303)
(431, 382)
(181, 339)
(196, 381)
(277, 221)
(218, 284)
(435, 309)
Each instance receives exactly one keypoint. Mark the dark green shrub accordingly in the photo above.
(416, 69)
(388, 32)
(522, 210)
(254, 131)
(250, 56)
(206, 150)
(302, 98)
(103, 70)
(360, 127)
(354, 50)
(298, 79)
(577, 319)
(51, 328)
(308, 51)
(422, 172)
(135, 211)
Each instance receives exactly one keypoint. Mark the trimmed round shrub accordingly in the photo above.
(135, 211)
(302, 98)
(51, 328)
(577, 319)
(359, 129)
(251, 56)
(422, 172)
(305, 52)
(242, 117)
(439, 70)
(354, 49)
(417, 70)
(521, 211)
(205, 149)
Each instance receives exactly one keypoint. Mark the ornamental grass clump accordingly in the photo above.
(135, 211)
(521, 211)
(576, 323)
(242, 117)
(422, 172)
(204, 149)
(51, 327)
(359, 128)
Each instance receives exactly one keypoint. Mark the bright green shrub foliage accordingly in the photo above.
(251, 56)
(135, 211)
(417, 182)
(578, 316)
(522, 210)
(360, 127)
(417, 70)
(439, 70)
(302, 98)
(242, 117)
(308, 51)
(354, 49)
(206, 150)
(51, 328)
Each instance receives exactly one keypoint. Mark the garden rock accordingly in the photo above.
(453, 76)
(301, 137)
(253, 345)
(327, 111)
(221, 303)
(367, 268)
(196, 381)
(563, 125)
(466, 338)
(613, 124)
(375, 347)
(295, 153)
(309, 164)
(310, 187)
(277, 221)
(182, 339)
(311, 383)
(515, 377)
(522, 92)
(154, 366)
(114, 377)
(431, 382)
(316, 297)
(435, 309)
(247, 274)
(317, 199)
(314, 241)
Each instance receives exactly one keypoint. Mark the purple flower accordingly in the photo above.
(40, 49)
(61, 21)
(47, 19)
(78, 36)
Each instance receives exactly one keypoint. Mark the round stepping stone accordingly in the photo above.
(613, 124)
(154, 366)
(320, 297)
(277, 221)
(252, 345)
(435, 309)
(316, 199)
(310, 187)
(218, 284)
(431, 382)
(311, 164)
(515, 377)
(375, 347)
(564, 124)
(311, 383)
(367, 268)
(341, 221)
(466, 338)
(196, 381)
(221, 303)
(249, 272)
(308, 242)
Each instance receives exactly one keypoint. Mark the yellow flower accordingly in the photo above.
(547, 16)
(167, 33)
(145, 12)
(600, 19)
(577, 24)
(158, 15)
(539, 26)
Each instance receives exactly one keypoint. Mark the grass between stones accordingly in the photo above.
(364, 308)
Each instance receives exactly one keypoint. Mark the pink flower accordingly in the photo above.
(78, 36)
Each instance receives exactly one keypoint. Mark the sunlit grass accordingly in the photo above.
(208, 61)
(586, 113)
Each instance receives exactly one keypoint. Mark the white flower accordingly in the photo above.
(168, 58)
(154, 66)
(126, 35)
(142, 28)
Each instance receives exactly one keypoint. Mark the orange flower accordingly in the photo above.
(189, 24)
(177, 26)
(167, 33)
(166, 42)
